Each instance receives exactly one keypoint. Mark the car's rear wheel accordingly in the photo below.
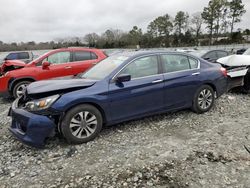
(81, 124)
(19, 88)
(246, 86)
(204, 99)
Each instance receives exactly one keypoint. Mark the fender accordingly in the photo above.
(13, 81)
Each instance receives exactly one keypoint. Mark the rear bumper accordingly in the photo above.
(236, 77)
(30, 128)
(235, 82)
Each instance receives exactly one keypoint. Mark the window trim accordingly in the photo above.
(148, 55)
(163, 71)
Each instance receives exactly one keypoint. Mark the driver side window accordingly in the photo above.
(58, 58)
(142, 67)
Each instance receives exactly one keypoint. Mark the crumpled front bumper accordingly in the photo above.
(30, 128)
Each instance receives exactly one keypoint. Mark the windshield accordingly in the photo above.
(104, 68)
(247, 52)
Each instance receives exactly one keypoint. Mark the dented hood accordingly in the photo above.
(14, 63)
(58, 86)
(235, 60)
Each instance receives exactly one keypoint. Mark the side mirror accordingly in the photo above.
(45, 64)
(123, 78)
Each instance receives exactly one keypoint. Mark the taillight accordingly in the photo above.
(223, 71)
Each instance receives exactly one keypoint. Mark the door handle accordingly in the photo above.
(68, 67)
(157, 81)
(196, 73)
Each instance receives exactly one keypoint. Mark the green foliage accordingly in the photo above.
(181, 21)
(236, 11)
(160, 29)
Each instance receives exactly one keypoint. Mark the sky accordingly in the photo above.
(46, 20)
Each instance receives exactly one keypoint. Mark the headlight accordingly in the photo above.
(41, 104)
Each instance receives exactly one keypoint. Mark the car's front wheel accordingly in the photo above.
(19, 88)
(204, 99)
(81, 124)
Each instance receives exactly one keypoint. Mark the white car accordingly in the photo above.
(238, 68)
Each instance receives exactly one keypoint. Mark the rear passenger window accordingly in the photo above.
(193, 63)
(173, 63)
(82, 56)
(23, 55)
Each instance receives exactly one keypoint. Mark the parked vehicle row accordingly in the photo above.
(122, 87)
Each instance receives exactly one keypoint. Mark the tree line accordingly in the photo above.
(215, 24)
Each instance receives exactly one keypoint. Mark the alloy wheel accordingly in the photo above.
(205, 99)
(83, 124)
(20, 89)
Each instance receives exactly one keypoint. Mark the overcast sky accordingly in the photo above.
(45, 20)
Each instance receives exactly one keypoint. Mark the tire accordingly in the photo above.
(204, 99)
(246, 86)
(75, 127)
(18, 87)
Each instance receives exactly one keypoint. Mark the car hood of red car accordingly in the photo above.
(57, 86)
(14, 62)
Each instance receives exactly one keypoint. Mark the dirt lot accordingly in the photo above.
(181, 149)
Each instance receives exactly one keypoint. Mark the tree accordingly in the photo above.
(209, 15)
(246, 32)
(91, 39)
(197, 23)
(161, 27)
(135, 36)
(236, 11)
(220, 14)
(181, 21)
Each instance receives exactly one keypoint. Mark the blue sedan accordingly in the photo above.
(122, 87)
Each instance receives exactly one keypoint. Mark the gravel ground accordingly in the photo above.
(179, 149)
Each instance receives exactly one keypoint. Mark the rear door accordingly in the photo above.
(60, 66)
(83, 60)
(181, 75)
(142, 94)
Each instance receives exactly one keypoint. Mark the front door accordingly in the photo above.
(141, 95)
(60, 66)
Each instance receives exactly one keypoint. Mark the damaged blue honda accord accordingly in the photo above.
(122, 87)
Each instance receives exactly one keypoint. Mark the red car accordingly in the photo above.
(16, 75)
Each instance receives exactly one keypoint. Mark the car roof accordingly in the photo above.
(137, 53)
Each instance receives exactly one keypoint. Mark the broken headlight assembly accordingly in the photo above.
(41, 104)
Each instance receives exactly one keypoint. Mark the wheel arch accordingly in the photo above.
(89, 103)
(211, 85)
(14, 81)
